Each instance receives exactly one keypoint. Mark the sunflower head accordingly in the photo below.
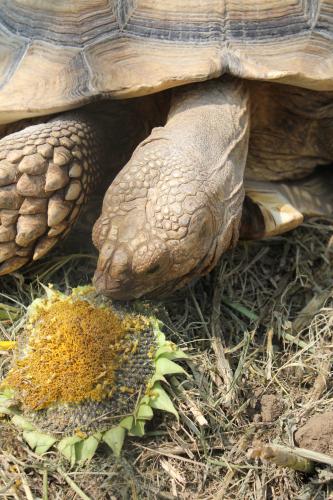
(86, 371)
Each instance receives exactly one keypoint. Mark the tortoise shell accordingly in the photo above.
(59, 55)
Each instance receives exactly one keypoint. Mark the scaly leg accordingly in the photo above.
(46, 172)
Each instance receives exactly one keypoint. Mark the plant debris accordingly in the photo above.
(259, 325)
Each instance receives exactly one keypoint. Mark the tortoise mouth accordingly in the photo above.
(131, 289)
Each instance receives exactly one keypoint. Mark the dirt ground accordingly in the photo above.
(259, 332)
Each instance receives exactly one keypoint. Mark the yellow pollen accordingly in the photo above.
(73, 352)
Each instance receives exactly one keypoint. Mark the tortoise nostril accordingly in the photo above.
(153, 269)
(150, 258)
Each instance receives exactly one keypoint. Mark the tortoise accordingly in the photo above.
(209, 119)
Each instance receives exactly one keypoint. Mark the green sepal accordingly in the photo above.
(161, 401)
(5, 411)
(6, 393)
(67, 448)
(157, 377)
(144, 412)
(22, 423)
(166, 366)
(127, 422)
(157, 325)
(38, 441)
(85, 449)
(176, 354)
(166, 348)
(114, 438)
(7, 403)
(138, 429)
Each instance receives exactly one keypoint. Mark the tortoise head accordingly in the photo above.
(176, 205)
(155, 236)
(142, 255)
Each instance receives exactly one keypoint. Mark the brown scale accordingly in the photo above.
(43, 182)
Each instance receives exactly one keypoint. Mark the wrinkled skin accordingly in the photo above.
(176, 205)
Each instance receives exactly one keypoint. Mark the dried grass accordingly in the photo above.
(261, 324)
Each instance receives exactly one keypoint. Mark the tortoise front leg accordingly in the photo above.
(46, 172)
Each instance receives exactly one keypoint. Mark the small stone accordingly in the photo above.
(34, 164)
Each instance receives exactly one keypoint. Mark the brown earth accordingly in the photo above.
(317, 433)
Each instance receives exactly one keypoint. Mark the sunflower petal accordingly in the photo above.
(161, 400)
(115, 439)
(138, 429)
(85, 449)
(166, 366)
(67, 448)
(145, 412)
(22, 423)
(39, 442)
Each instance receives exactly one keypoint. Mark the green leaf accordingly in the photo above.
(85, 449)
(115, 439)
(144, 412)
(22, 423)
(67, 448)
(166, 366)
(138, 429)
(38, 441)
(240, 308)
(127, 422)
(161, 401)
